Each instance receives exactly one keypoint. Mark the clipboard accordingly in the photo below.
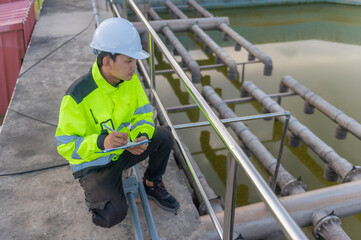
(128, 145)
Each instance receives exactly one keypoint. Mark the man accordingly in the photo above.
(105, 109)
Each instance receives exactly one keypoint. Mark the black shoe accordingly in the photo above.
(161, 196)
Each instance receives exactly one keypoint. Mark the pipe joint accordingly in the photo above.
(207, 49)
(264, 110)
(294, 141)
(292, 186)
(232, 73)
(340, 132)
(308, 108)
(354, 174)
(218, 60)
(225, 37)
(244, 92)
(217, 204)
(329, 174)
(175, 52)
(246, 150)
(283, 87)
(197, 38)
(327, 226)
(251, 57)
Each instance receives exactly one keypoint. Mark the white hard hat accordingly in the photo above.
(117, 35)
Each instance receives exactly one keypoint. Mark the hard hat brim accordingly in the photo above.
(139, 55)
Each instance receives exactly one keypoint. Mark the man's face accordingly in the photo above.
(123, 67)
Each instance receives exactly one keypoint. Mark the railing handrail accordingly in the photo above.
(290, 227)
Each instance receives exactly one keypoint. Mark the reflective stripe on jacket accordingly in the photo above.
(91, 101)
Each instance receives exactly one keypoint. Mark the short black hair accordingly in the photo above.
(102, 54)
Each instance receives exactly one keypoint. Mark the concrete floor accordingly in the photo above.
(49, 204)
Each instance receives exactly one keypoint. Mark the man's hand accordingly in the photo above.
(115, 139)
(139, 149)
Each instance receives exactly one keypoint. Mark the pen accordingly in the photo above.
(109, 128)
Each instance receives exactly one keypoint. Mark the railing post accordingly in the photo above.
(285, 127)
(151, 61)
(230, 198)
(125, 12)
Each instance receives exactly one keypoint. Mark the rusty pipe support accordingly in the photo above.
(345, 122)
(327, 226)
(240, 41)
(339, 165)
(178, 46)
(287, 183)
(209, 42)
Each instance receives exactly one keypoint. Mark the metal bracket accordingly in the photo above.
(130, 185)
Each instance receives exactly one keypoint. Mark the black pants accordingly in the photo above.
(103, 187)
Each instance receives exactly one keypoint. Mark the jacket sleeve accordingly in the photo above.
(72, 141)
(142, 121)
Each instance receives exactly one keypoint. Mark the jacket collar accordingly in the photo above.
(101, 82)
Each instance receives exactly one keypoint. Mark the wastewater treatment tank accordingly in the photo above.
(319, 46)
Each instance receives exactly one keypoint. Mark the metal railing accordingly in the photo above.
(291, 229)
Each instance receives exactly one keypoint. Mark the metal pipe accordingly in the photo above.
(182, 25)
(151, 61)
(328, 226)
(255, 221)
(125, 12)
(329, 110)
(209, 66)
(200, 9)
(274, 180)
(230, 198)
(114, 8)
(182, 51)
(229, 120)
(228, 101)
(146, 207)
(253, 51)
(96, 14)
(287, 183)
(135, 216)
(209, 42)
(119, 7)
(341, 166)
(291, 229)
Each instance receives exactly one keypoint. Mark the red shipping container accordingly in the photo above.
(8, 1)
(17, 21)
(11, 52)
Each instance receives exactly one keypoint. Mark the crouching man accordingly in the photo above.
(104, 109)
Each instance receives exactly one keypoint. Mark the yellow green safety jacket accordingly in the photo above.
(89, 103)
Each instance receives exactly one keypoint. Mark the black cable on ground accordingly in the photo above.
(47, 55)
(35, 119)
(33, 170)
(57, 48)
